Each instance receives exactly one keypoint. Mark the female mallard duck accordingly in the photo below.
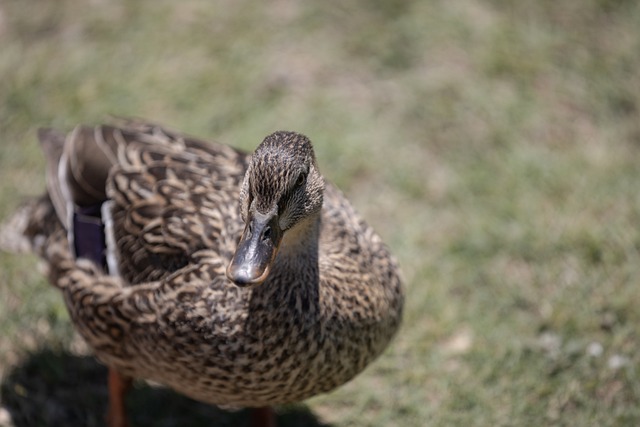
(234, 279)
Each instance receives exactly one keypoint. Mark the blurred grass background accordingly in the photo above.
(493, 144)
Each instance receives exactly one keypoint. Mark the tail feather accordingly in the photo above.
(39, 220)
(65, 223)
(12, 230)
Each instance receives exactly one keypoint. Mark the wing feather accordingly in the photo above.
(171, 195)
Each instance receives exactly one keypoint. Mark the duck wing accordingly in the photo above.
(162, 196)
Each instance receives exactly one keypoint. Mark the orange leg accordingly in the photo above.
(263, 417)
(118, 387)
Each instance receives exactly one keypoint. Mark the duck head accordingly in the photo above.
(282, 187)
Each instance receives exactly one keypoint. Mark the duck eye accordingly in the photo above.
(301, 179)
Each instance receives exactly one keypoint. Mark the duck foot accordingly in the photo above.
(119, 385)
(263, 417)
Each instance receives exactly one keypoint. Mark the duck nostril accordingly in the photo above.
(266, 234)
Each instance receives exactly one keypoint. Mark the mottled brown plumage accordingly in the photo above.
(303, 319)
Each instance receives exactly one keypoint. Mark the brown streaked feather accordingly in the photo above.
(167, 191)
(330, 305)
(165, 188)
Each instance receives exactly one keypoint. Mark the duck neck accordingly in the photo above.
(302, 239)
(293, 284)
(298, 254)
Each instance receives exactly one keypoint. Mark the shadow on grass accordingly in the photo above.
(58, 389)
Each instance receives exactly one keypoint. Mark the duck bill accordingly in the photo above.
(256, 251)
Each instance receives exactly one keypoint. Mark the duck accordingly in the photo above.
(239, 280)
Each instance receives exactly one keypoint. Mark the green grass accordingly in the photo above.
(494, 145)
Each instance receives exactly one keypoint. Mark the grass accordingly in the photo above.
(493, 144)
